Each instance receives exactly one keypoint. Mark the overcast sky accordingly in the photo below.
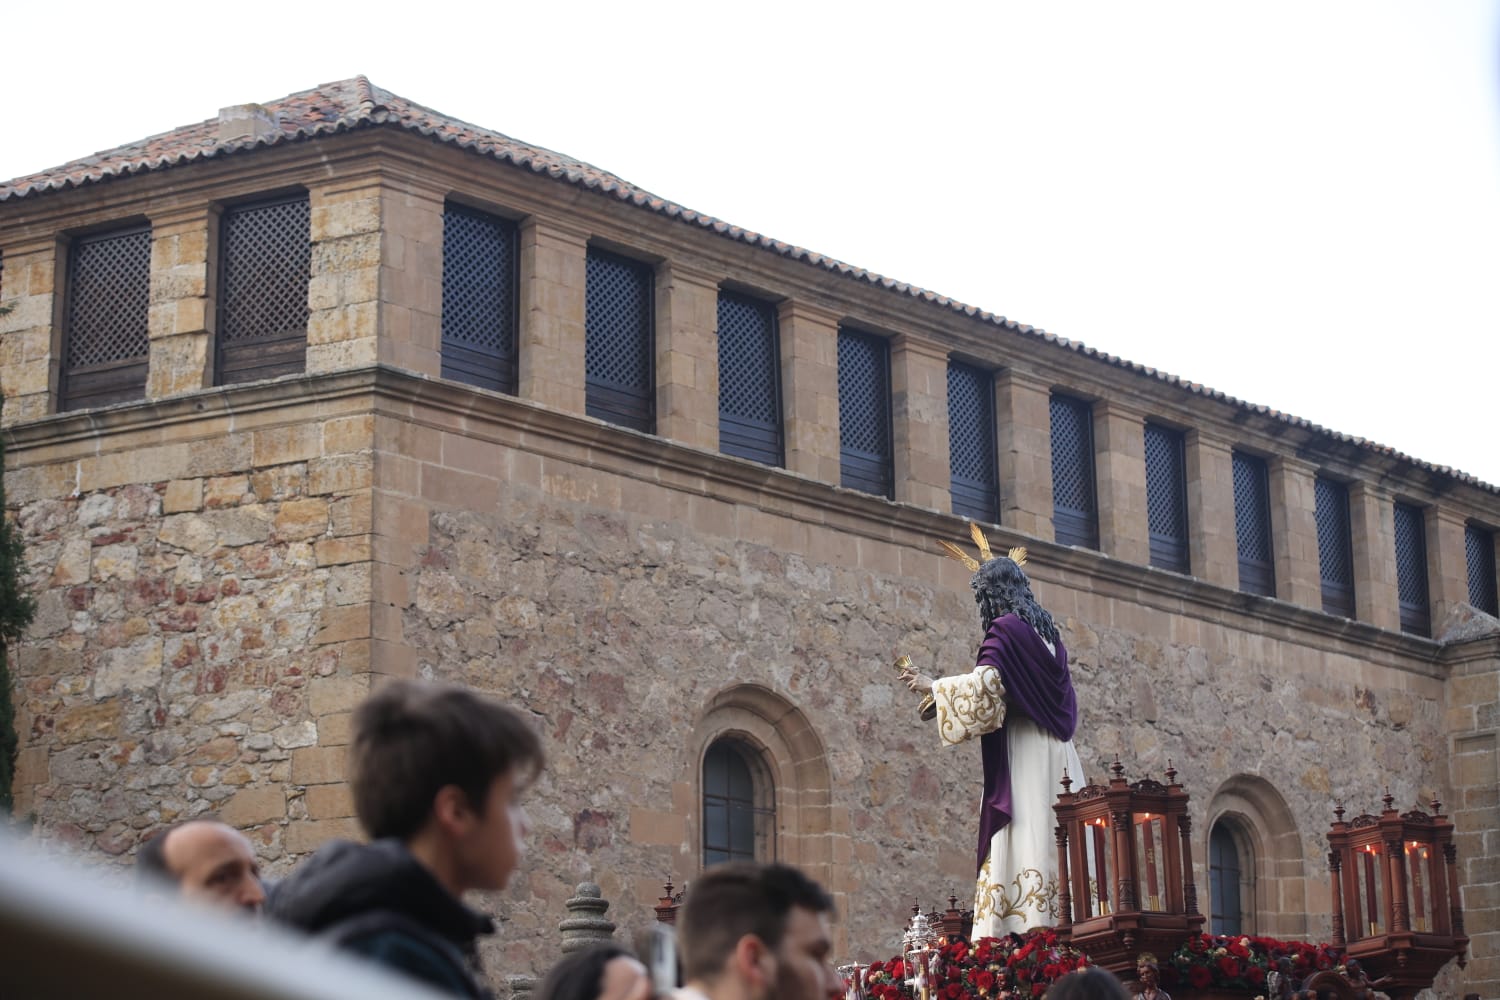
(1297, 203)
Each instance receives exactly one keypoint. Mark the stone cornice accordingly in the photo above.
(617, 451)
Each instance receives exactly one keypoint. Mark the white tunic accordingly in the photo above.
(1017, 884)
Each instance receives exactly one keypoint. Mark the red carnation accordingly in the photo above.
(1200, 977)
(1256, 975)
(876, 967)
(1197, 944)
(1037, 989)
(1229, 966)
(984, 980)
(953, 991)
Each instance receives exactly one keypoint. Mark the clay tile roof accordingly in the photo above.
(356, 103)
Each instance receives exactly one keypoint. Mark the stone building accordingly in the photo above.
(337, 388)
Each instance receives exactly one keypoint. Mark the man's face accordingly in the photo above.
(214, 863)
(803, 971)
(492, 845)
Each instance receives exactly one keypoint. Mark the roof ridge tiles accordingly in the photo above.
(356, 102)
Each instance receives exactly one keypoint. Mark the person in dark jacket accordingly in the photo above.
(436, 773)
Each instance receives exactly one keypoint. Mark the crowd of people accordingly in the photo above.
(436, 774)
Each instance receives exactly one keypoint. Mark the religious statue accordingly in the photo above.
(1019, 701)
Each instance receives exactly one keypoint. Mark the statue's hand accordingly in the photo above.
(918, 682)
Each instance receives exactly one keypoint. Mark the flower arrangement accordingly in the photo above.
(1241, 963)
(1014, 967)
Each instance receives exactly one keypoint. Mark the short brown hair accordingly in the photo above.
(732, 900)
(412, 739)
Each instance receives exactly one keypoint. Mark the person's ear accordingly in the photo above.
(754, 963)
(451, 809)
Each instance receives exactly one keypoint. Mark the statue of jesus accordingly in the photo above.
(1019, 701)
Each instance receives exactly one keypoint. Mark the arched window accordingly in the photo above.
(1224, 874)
(1255, 856)
(738, 811)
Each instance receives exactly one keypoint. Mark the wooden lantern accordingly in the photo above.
(1125, 864)
(1396, 905)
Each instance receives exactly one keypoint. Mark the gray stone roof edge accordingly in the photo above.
(372, 113)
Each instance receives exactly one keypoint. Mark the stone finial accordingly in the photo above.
(521, 986)
(247, 121)
(586, 923)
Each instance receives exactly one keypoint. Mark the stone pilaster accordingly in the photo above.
(28, 358)
(919, 422)
(1294, 531)
(810, 389)
(181, 324)
(1447, 564)
(1023, 432)
(554, 289)
(343, 294)
(1372, 526)
(411, 279)
(1212, 548)
(687, 355)
(1120, 477)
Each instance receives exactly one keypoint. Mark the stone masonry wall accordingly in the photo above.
(207, 607)
(198, 637)
(616, 610)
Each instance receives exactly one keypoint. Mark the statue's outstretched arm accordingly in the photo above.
(969, 705)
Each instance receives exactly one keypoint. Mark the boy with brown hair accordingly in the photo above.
(436, 773)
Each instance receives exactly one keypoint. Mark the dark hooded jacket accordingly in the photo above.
(378, 901)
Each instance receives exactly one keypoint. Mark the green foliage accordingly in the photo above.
(16, 610)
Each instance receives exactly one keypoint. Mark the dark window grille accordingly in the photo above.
(865, 413)
(618, 343)
(1252, 525)
(1075, 512)
(266, 254)
(749, 389)
(1335, 549)
(1479, 553)
(1166, 498)
(1225, 871)
(109, 303)
(734, 825)
(971, 442)
(480, 281)
(1411, 569)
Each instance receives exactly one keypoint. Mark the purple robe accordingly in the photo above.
(1038, 685)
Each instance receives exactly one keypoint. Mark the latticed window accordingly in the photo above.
(1479, 553)
(738, 815)
(749, 389)
(266, 259)
(618, 343)
(480, 280)
(1335, 551)
(1411, 569)
(1166, 498)
(109, 300)
(1075, 511)
(865, 413)
(971, 442)
(1252, 525)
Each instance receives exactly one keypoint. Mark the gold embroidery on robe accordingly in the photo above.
(1030, 896)
(969, 704)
